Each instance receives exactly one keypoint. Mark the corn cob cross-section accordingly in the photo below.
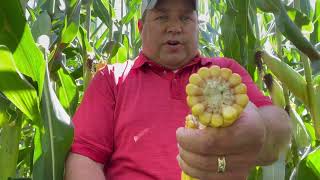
(216, 96)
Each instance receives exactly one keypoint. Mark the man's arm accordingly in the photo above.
(79, 167)
(278, 134)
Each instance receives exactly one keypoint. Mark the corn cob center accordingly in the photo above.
(217, 94)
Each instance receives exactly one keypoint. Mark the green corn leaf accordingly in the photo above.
(307, 7)
(268, 5)
(229, 37)
(42, 26)
(315, 36)
(84, 41)
(71, 24)
(21, 93)
(294, 34)
(310, 166)
(16, 35)
(53, 137)
(4, 115)
(67, 92)
(9, 147)
(301, 20)
(134, 8)
(301, 135)
(121, 54)
(104, 11)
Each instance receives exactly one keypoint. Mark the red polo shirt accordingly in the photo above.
(130, 112)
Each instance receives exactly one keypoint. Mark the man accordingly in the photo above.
(132, 115)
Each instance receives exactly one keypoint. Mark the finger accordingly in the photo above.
(190, 171)
(210, 163)
(209, 175)
(246, 134)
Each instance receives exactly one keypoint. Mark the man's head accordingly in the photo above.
(169, 31)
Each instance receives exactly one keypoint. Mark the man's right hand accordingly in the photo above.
(79, 167)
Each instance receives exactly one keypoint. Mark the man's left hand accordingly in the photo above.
(240, 145)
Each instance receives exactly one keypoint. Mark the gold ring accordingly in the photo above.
(221, 164)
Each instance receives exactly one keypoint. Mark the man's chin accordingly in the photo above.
(174, 60)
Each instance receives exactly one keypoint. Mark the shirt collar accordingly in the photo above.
(144, 60)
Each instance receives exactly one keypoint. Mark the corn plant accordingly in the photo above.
(50, 50)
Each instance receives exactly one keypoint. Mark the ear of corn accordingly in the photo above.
(216, 97)
(291, 78)
(275, 90)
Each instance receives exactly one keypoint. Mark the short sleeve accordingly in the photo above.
(254, 93)
(94, 119)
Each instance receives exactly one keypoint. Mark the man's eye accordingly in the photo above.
(162, 17)
(185, 18)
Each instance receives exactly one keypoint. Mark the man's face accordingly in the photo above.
(170, 33)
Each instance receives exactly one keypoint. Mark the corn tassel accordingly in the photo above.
(216, 98)
(288, 76)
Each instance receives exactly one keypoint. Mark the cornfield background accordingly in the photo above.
(50, 50)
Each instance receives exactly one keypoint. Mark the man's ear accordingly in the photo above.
(140, 25)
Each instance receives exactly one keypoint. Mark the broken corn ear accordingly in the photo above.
(216, 96)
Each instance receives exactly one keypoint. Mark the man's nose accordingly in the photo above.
(174, 27)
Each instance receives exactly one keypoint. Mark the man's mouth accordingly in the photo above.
(173, 42)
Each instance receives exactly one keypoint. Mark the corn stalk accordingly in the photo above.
(313, 96)
(9, 145)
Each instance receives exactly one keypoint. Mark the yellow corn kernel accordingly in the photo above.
(205, 118)
(191, 122)
(227, 123)
(240, 89)
(196, 79)
(225, 73)
(229, 113)
(216, 120)
(193, 90)
(235, 79)
(238, 108)
(193, 100)
(215, 71)
(242, 99)
(197, 109)
(204, 73)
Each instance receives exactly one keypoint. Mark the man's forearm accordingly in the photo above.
(82, 168)
(278, 134)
